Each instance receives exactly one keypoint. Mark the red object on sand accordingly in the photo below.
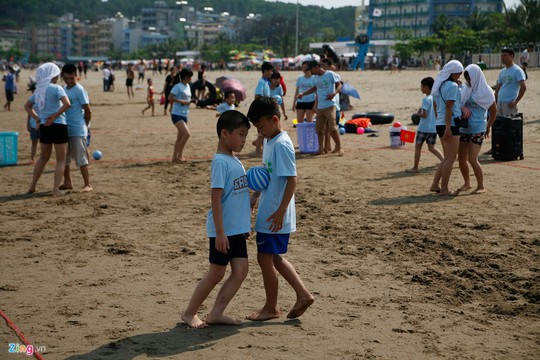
(282, 83)
(407, 136)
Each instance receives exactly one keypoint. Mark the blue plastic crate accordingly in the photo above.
(308, 142)
(8, 148)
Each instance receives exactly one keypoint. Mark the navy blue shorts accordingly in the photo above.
(34, 134)
(237, 249)
(272, 243)
(305, 105)
(429, 138)
(177, 118)
(441, 128)
(53, 134)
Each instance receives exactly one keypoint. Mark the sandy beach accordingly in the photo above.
(398, 272)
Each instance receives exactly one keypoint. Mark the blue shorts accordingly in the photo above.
(177, 118)
(237, 249)
(34, 134)
(272, 243)
(430, 138)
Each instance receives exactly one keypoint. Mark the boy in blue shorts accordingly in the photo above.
(227, 225)
(426, 131)
(276, 214)
(78, 118)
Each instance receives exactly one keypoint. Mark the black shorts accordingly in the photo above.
(9, 95)
(454, 129)
(129, 82)
(238, 249)
(141, 76)
(305, 105)
(53, 134)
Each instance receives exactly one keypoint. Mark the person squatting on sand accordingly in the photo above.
(52, 102)
(228, 224)
(447, 96)
(477, 99)
(276, 214)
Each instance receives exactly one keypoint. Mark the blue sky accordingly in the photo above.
(340, 3)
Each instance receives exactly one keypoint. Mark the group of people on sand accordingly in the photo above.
(462, 115)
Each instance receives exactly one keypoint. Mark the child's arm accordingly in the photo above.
(277, 217)
(307, 92)
(28, 127)
(29, 107)
(253, 200)
(222, 243)
(422, 113)
(65, 105)
(87, 114)
(285, 117)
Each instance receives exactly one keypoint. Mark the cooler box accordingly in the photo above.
(8, 148)
(308, 143)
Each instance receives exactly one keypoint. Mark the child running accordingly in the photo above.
(227, 225)
(276, 214)
(426, 131)
(149, 97)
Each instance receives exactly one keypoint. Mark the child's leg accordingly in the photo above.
(67, 185)
(304, 299)
(152, 105)
(417, 154)
(61, 151)
(438, 173)
(148, 107)
(327, 145)
(181, 140)
(270, 309)
(202, 290)
(86, 178)
(33, 150)
(300, 114)
(435, 151)
(451, 150)
(44, 155)
(309, 115)
(239, 270)
(474, 150)
(463, 154)
(335, 136)
(258, 144)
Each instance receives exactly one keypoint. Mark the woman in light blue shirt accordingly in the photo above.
(51, 102)
(180, 97)
(478, 99)
(304, 106)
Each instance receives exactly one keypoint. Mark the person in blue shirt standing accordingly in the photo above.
(447, 99)
(263, 89)
(304, 107)
(78, 117)
(276, 214)
(510, 86)
(180, 97)
(426, 131)
(228, 224)
(52, 102)
(9, 87)
(478, 99)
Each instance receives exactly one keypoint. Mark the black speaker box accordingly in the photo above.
(507, 138)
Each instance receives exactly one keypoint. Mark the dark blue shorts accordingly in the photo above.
(237, 249)
(34, 134)
(272, 243)
(441, 128)
(177, 118)
(53, 134)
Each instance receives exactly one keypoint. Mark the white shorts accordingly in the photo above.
(77, 151)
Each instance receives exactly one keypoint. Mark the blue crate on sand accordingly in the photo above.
(8, 148)
(308, 142)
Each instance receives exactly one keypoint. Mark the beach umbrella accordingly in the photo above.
(348, 89)
(235, 86)
(220, 80)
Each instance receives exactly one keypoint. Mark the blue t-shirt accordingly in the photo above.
(427, 124)
(477, 120)
(52, 104)
(32, 121)
(228, 174)
(509, 79)
(279, 160)
(181, 91)
(277, 93)
(75, 114)
(263, 87)
(221, 108)
(10, 82)
(448, 91)
(304, 84)
(326, 84)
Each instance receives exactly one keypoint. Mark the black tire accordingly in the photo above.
(376, 118)
(211, 100)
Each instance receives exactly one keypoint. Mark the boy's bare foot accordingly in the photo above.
(178, 160)
(478, 191)
(300, 307)
(412, 171)
(31, 190)
(87, 189)
(221, 320)
(264, 314)
(465, 187)
(435, 189)
(193, 321)
(65, 187)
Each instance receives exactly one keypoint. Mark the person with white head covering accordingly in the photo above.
(52, 102)
(447, 103)
(478, 99)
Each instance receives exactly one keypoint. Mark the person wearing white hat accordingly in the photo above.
(478, 99)
(447, 103)
(52, 102)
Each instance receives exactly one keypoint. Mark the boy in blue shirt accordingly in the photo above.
(78, 117)
(276, 214)
(227, 225)
(9, 87)
(426, 131)
(263, 89)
